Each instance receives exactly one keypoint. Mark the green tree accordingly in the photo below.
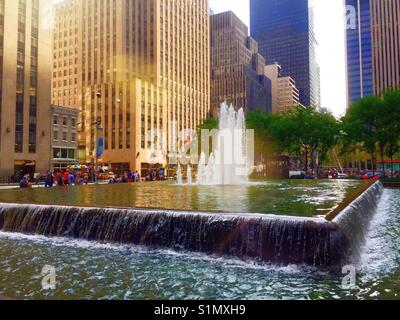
(363, 125)
(209, 124)
(390, 122)
(304, 133)
(257, 121)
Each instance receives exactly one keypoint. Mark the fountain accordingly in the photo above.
(262, 237)
(189, 176)
(227, 164)
(179, 176)
(277, 239)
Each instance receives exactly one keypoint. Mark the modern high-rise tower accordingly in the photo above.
(373, 47)
(25, 80)
(237, 69)
(136, 66)
(284, 30)
(359, 51)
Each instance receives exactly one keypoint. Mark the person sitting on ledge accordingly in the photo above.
(24, 184)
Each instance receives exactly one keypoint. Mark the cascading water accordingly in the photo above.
(265, 238)
(355, 219)
(260, 237)
(227, 164)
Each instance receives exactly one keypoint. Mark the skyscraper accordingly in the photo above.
(237, 69)
(284, 30)
(359, 52)
(25, 82)
(137, 66)
(373, 47)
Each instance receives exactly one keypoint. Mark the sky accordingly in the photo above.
(329, 24)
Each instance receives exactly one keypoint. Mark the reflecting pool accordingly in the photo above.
(284, 197)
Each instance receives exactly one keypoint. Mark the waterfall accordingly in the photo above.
(264, 238)
(258, 237)
(354, 220)
(227, 164)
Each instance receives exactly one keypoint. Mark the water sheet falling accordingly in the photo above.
(258, 237)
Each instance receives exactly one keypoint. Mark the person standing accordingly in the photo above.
(60, 179)
(66, 178)
(49, 180)
(71, 179)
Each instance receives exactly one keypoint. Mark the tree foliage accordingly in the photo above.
(304, 133)
(372, 125)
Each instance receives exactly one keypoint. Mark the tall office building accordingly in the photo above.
(285, 94)
(373, 47)
(25, 81)
(284, 30)
(237, 69)
(137, 66)
(359, 52)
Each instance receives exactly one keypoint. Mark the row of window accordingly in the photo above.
(60, 153)
(64, 136)
(64, 122)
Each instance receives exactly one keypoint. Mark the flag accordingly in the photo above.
(100, 142)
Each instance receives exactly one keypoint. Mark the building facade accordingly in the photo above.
(359, 52)
(285, 94)
(284, 30)
(25, 83)
(64, 137)
(373, 47)
(237, 69)
(135, 62)
(288, 94)
(386, 45)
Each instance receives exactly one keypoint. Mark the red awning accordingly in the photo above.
(388, 161)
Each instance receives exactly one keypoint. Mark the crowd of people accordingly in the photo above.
(126, 177)
(76, 178)
(65, 179)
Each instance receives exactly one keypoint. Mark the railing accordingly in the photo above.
(7, 180)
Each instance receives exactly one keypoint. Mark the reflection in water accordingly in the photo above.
(296, 197)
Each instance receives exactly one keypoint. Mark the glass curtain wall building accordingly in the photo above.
(373, 47)
(284, 30)
(359, 50)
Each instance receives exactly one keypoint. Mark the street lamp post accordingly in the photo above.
(96, 126)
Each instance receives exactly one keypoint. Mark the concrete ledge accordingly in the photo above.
(353, 196)
(391, 184)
